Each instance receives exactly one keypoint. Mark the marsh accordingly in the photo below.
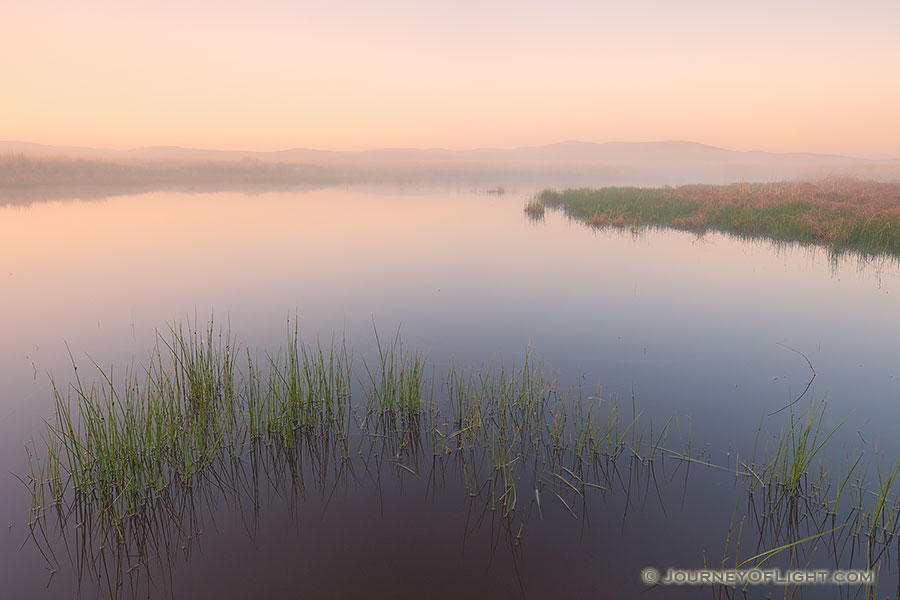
(691, 337)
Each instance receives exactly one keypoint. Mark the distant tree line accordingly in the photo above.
(19, 170)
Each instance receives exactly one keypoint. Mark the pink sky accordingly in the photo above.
(799, 76)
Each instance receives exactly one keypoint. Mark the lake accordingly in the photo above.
(714, 330)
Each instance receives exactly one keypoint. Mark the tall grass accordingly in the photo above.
(122, 447)
(842, 214)
(119, 442)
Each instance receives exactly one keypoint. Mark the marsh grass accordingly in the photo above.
(123, 447)
(841, 214)
(794, 501)
(120, 442)
(535, 209)
(397, 383)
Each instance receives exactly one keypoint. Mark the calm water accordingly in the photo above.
(690, 326)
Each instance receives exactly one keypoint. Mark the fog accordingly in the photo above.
(30, 171)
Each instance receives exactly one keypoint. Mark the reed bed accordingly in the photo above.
(123, 448)
(121, 443)
(841, 214)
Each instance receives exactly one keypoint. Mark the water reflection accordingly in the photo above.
(691, 326)
(141, 555)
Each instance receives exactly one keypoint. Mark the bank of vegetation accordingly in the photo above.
(841, 214)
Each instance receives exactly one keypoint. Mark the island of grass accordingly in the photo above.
(841, 214)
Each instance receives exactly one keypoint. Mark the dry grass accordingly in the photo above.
(842, 214)
(854, 196)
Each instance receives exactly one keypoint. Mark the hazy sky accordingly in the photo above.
(269, 74)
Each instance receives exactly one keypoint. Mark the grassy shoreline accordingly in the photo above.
(840, 214)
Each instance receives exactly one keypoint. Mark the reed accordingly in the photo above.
(120, 442)
(535, 209)
(841, 214)
(123, 444)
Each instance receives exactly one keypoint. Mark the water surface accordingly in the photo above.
(693, 326)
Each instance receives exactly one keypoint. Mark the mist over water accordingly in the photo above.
(686, 325)
(30, 172)
(313, 299)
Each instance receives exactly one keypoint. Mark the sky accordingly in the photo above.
(776, 75)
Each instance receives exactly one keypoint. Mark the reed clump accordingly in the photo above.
(120, 445)
(120, 452)
(534, 208)
(841, 214)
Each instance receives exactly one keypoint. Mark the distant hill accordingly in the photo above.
(567, 163)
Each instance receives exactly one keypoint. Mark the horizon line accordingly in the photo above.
(63, 147)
